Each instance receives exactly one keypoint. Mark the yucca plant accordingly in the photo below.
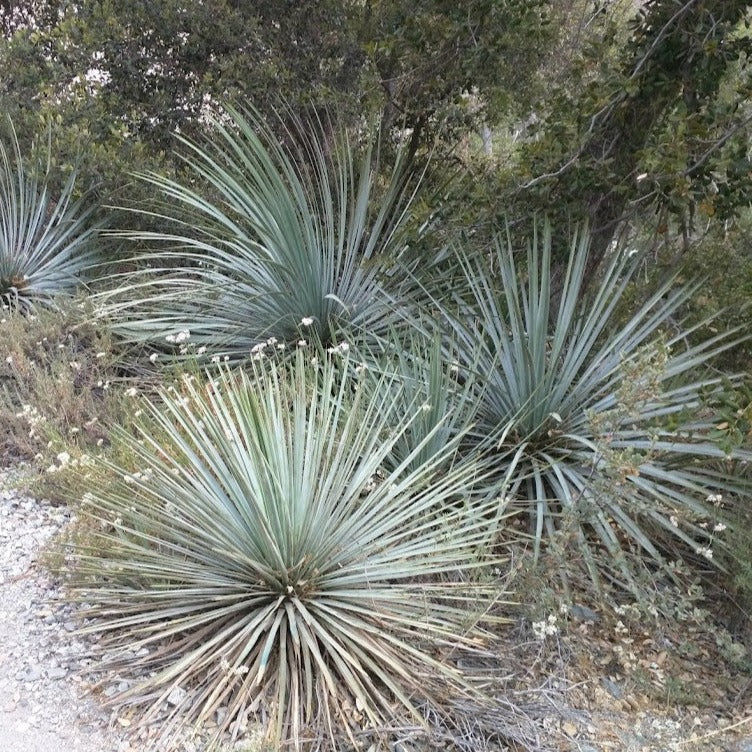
(426, 371)
(46, 242)
(276, 234)
(263, 570)
(601, 420)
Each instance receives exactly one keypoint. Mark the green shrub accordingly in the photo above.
(262, 557)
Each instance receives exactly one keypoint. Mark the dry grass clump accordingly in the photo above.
(58, 395)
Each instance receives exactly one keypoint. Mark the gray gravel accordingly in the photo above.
(44, 706)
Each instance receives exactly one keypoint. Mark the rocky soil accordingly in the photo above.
(43, 691)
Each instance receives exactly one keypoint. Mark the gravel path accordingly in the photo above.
(43, 702)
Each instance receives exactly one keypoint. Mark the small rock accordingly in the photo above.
(583, 613)
(612, 688)
(31, 674)
(177, 696)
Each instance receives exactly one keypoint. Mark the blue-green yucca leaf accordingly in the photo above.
(256, 559)
(46, 243)
(426, 369)
(276, 235)
(605, 420)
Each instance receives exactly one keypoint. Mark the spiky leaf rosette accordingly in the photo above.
(264, 235)
(46, 243)
(602, 421)
(262, 576)
(427, 373)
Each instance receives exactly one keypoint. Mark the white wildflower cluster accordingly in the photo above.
(546, 627)
(220, 359)
(131, 392)
(224, 664)
(307, 321)
(705, 551)
(65, 462)
(177, 339)
(715, 499)
(259, 351)
(153, 357)
(339, 349)
(33, 419)
(630, 610)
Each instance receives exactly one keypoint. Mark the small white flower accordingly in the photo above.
(673, 520)
(545, 628)
(302, 343)
(63, 458)
(307, 320)
(153, 357)
(9, 360)
(706, 552)
(714, 499)
(215, 359)
(719, 527)
(259, 348)
(182, 336)
(132, 392)
(201, 350)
